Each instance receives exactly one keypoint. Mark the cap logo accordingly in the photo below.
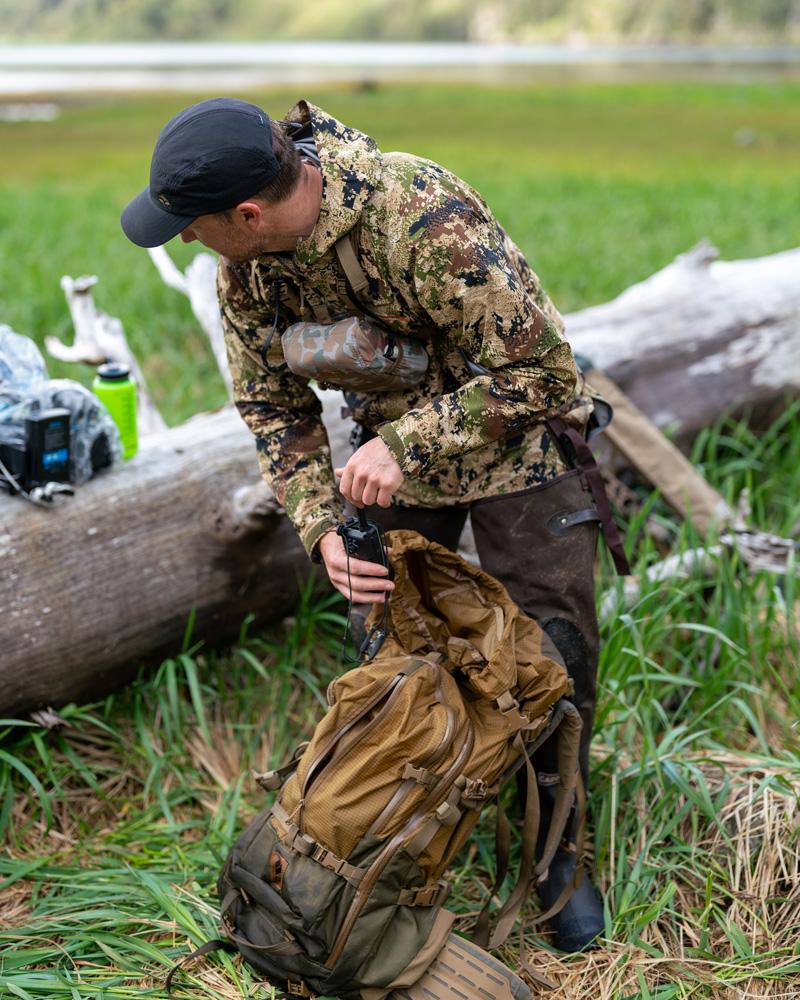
(164, 200)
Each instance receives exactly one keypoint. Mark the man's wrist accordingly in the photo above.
(314, 536)
(388, 434)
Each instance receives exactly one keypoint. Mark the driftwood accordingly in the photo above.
(700, 338)
(99, 338)
(109, 579)
(198, 283)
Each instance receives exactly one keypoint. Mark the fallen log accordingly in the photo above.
(107, 580)
(700, 338)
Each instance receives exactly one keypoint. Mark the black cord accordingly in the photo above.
(346, 632)
(371, 642)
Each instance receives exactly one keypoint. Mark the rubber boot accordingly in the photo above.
(541, 544)
(581, 921)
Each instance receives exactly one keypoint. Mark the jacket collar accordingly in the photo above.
(350, 164)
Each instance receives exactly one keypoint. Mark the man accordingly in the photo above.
(486, 430)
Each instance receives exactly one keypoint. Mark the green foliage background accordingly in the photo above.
(721, 21)
(600, 185)
(115, 825)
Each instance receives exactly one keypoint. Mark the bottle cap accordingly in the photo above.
(111, 371)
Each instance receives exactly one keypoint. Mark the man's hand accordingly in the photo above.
(368, 579)
(370, 476)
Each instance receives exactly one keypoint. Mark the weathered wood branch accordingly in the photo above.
(700, 338)
(696, 339)
(98, 338)
(198, 283)
(108, 579)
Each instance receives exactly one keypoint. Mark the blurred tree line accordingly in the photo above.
(713, 21)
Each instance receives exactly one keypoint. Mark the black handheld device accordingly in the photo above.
(363, 539)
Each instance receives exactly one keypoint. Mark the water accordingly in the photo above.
(36, 69)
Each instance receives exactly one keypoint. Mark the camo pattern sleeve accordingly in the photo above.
(280, 408)
(466, 281)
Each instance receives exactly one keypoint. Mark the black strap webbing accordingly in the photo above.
(586, 463)
(204, 949)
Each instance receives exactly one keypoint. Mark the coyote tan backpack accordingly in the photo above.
(337, 887)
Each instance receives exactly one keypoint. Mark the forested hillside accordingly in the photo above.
(714, 21)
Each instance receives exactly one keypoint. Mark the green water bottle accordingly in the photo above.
(116, 390)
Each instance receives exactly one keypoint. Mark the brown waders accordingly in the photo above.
(540, 544)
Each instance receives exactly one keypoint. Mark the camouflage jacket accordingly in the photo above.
(440, 268)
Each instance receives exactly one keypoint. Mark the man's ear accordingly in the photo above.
(249, 213)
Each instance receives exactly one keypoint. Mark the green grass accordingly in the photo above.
(115, 825)
(600, 185)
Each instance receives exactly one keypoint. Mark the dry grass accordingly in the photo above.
(730, 933)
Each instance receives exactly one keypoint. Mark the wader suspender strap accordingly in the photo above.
(357, 279)
(587, 465)
(350, 265)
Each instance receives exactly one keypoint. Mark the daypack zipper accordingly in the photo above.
(373, 873)
(387, 692)
(408, 786)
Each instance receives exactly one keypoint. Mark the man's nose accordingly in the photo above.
(188, 236)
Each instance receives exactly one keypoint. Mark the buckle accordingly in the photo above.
(476, 792)
(447, 814)
(304, 844)
(419, 774)
(298, 989)
(509, 707)
(270, 781)
(433, 895)
(476, 789)
(507, 702)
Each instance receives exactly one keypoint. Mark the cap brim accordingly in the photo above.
(147, 224)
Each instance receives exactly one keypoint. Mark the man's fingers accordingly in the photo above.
(358, 567)
(360, 597)
(358, 488)
(370, 494)
(384, 497)
(345, 486)
(365, 584)
(363, 590)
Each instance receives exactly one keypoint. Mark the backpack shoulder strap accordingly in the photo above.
(348, 258)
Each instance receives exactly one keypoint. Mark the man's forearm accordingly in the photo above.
(485, 409)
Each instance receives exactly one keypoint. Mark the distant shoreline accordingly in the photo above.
(64, 68)
(236, 54)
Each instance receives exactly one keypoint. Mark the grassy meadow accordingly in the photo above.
(115, 824)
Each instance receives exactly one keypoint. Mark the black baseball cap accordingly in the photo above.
(208, 158)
